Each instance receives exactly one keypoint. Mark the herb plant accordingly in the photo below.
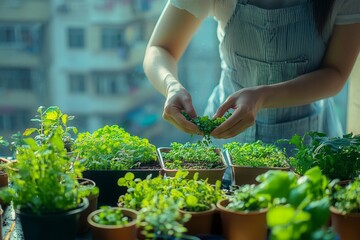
(206, 125)
(44, 178)
(346, 198)
(301, 207)
(192, 156)
(337, 157)
(49, 120)
(159, 199)
(111, 216)
(112, 148)
(256, 154)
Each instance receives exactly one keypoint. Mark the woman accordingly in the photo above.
(281, 62)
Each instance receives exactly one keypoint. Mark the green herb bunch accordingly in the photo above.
(199, 155)
(300, 206)
(192, 194)
(337, 157)
(111, 216)
(160, 219)
(159, 199)
(112, 148)
(49, 120)
(247, 199)
(256, 154)
(44, 177)
(206, 125)
(346, 198)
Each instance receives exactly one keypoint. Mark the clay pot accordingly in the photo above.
(200, 223)
(212, 175)
(242, 225)
(84, 226)
(111, 232)
(347, 226)
(4, 182)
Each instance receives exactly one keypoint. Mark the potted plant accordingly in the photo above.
(337, 157)
(206, 160)
(108, 223)
(44, 189)
(109, 153)
(50, 119)
(345, 209)
(195, 197)
(248, 160)
(243, 214)
(91, 192)
(4, 177)
(302, 209)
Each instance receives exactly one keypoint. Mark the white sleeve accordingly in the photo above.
(348, 12)
(199, 8)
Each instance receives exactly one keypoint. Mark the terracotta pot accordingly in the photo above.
(200, 223)
(211, 174)
(4, 182)
(346, 226)
(84, 226)
(247, 175)
(111, 232)
(242, 225)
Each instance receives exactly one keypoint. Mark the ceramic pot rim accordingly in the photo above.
(336, 211)
(224, 209)
(97, 225)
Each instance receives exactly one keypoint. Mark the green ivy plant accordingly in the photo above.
(192, 156)
(256, 154)
(44, 178)
(112, 148)
(49, 120)
(111, 216)
(346, 199)
(337, 157)
(206, 125)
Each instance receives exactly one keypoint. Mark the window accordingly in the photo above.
(13, 120)
(77, 83)
(111, 83)
(112, 38)
(7, 35)
(76, 38)
(15, 78)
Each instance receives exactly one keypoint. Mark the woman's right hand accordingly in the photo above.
(179, 100)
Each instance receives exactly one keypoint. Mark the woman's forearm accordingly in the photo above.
(161, 69)
(305, 89)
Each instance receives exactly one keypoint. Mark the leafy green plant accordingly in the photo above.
(44, 178)
(159, 218)
(111, 216)
(256, 154)
(337, 157)
(195, 194)
(192, 156)
(302, 208)
(159, 199)
(206, 125)
(3, 142)
(346, 199)
(49, 120)
(112, 148)
(247, 199)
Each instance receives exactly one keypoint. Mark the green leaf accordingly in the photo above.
(129, 176)
(29, 131)
(280, 215)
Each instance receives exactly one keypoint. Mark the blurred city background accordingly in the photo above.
(85, 56)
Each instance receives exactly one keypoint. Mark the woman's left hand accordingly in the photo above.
(246, 103)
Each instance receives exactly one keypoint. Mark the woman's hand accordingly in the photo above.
(177, 101)
(246, 103)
